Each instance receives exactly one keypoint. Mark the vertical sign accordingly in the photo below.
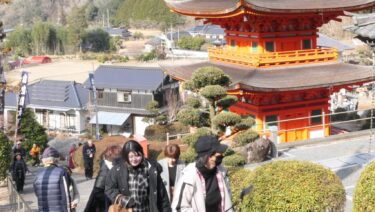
(92, 84)
(21, 101)
(2, 97)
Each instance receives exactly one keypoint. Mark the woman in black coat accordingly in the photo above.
(137, 181)
(98, 201)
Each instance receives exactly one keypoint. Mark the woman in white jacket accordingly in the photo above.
(203, 186)
(172, 168)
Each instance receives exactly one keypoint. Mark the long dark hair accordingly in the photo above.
(131, 146)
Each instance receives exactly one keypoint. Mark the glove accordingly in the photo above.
(127, 202)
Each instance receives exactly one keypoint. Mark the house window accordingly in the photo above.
(306, 44)
(318, 119)
(254, 47)
(124, 96)
(232, 43)
(270, 46)
(271, 121)
(99, 93)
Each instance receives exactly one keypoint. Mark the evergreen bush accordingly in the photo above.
(189, 155)
(294, 186)
(234, 160)
(364, 193)
(245, 137)
(239, 179)
(5, 155)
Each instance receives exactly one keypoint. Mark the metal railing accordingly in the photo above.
(272, 58)
(16, 202)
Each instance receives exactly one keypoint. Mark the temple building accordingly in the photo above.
(278, 73)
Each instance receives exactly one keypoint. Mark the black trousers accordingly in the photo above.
(36, 161)
(88, 163)
(20, 180)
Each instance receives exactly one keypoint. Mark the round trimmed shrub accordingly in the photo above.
(192, 138)
(364, 193)
(212, 92)
(189, 116)
(239, 179)
(245, 137)
(245, 124)
(234, 160)
(294, 186)
(193, 102)
(227, 101)
(189, 155)
(226, 119)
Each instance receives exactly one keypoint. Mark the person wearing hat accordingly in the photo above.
(51, 184)
(204, 185)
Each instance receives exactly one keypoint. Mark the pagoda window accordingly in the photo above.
(271, 120)
(306, 44)
(254, 47)
(316, 116)
(232, 43)
(270, 46)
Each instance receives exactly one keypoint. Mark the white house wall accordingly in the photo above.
(139, 125)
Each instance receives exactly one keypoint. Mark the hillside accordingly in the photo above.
(135, 13)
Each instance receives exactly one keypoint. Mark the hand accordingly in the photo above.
(73, 205)
(127, 202)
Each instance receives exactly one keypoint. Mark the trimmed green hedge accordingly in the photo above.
(364, 193)
(5, 155)
(294, 186)
(192, 138)
(245, 137)
(239, 179)
(234, 160)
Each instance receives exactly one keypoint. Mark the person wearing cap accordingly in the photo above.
(19, 149)
(88, 152)
(204, 185)
(51, 184)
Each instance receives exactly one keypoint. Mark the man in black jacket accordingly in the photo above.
(88, 152)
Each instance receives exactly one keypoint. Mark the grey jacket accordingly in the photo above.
(165, 174)
(188, 194)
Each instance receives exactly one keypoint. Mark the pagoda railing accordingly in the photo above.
(272, 58)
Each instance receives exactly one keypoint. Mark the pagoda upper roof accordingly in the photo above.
(279, 79)
(226, 7)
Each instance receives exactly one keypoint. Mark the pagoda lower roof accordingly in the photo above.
(279, 79)
(224, 7)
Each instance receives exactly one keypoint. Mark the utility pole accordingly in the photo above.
(2, 80)
(107, 17)
(91, 79)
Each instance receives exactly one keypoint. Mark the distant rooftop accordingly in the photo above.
(130, 78)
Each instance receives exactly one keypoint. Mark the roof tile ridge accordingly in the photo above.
(73, 84)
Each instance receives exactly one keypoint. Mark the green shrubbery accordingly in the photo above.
(245, 137)
(364, 193)
(189, 155)
(5, 155)
(294, 186)
(238, 180)
(148, 56)
(234, 160)
(192, 138)
(191, 43)
(104, 57)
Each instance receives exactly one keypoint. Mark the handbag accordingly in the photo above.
(116, 206)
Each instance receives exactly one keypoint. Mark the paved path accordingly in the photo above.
(84, 188)
(345, 157)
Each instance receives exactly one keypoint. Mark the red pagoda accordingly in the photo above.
(278, 73)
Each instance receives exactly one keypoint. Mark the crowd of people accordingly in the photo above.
(130, 179)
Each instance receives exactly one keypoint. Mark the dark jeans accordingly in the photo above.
(20, 180)
(89, 163)
(36, 161)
